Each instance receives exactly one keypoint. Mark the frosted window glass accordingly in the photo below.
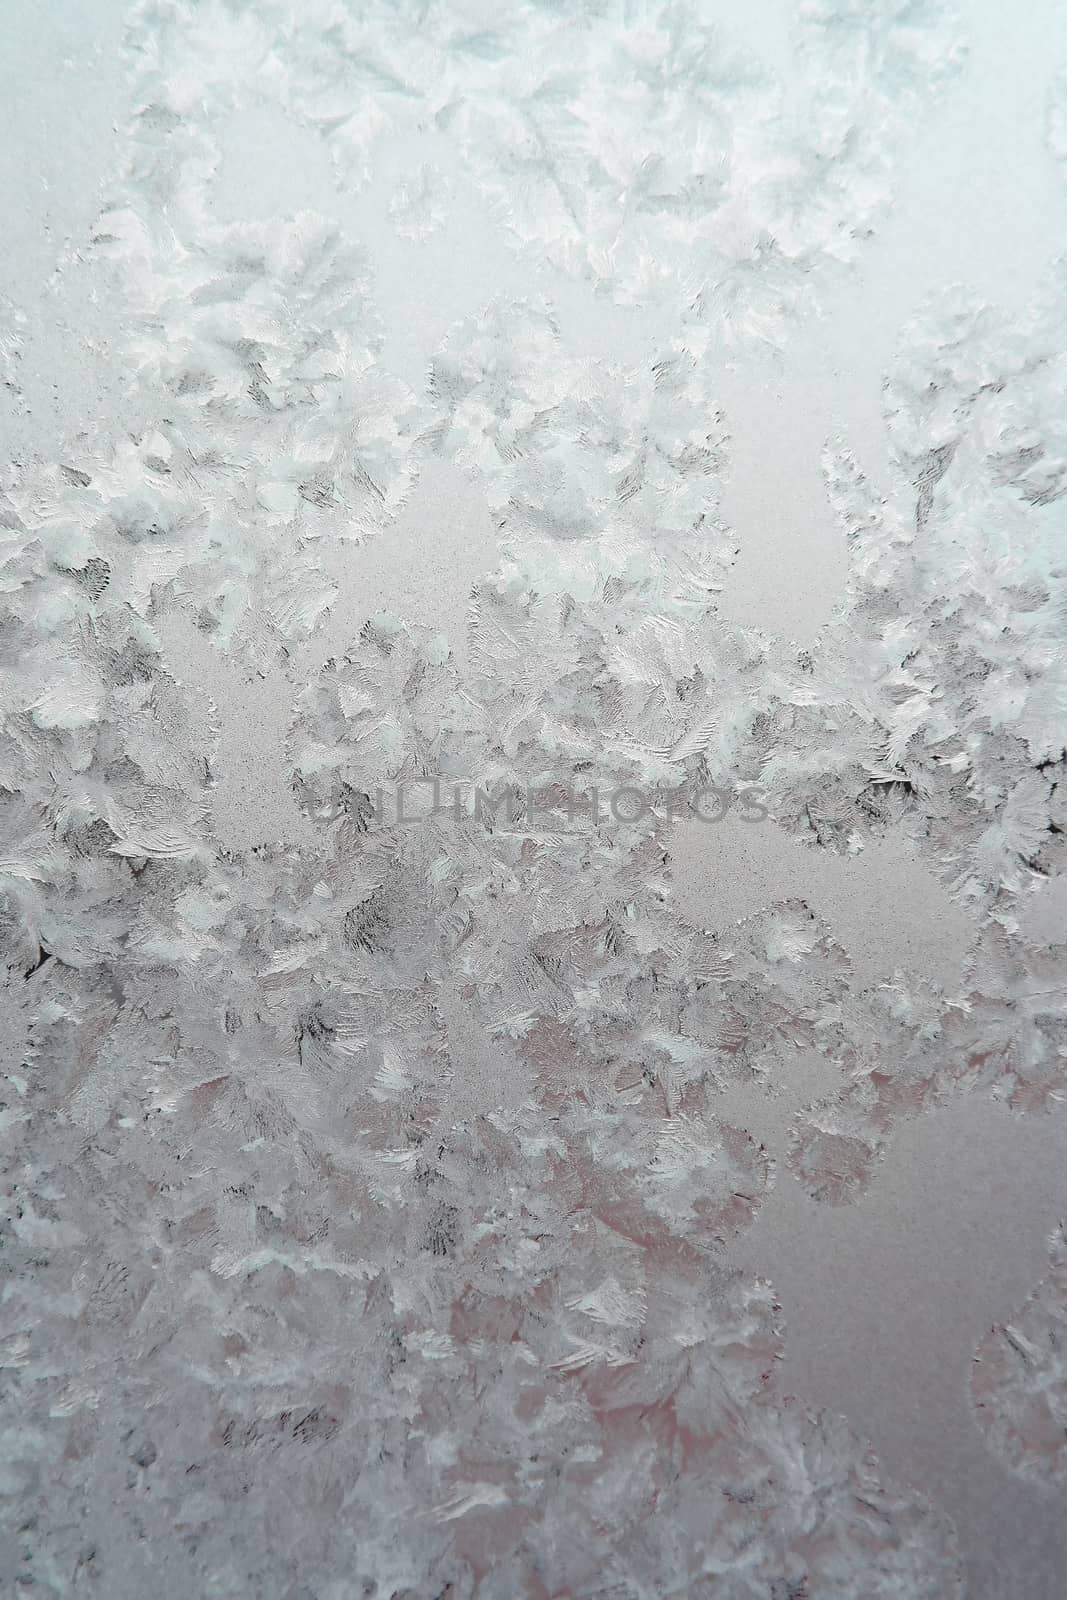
(533, 800)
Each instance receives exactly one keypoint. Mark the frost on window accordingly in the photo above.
(448, 941)
(1019, 1378)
